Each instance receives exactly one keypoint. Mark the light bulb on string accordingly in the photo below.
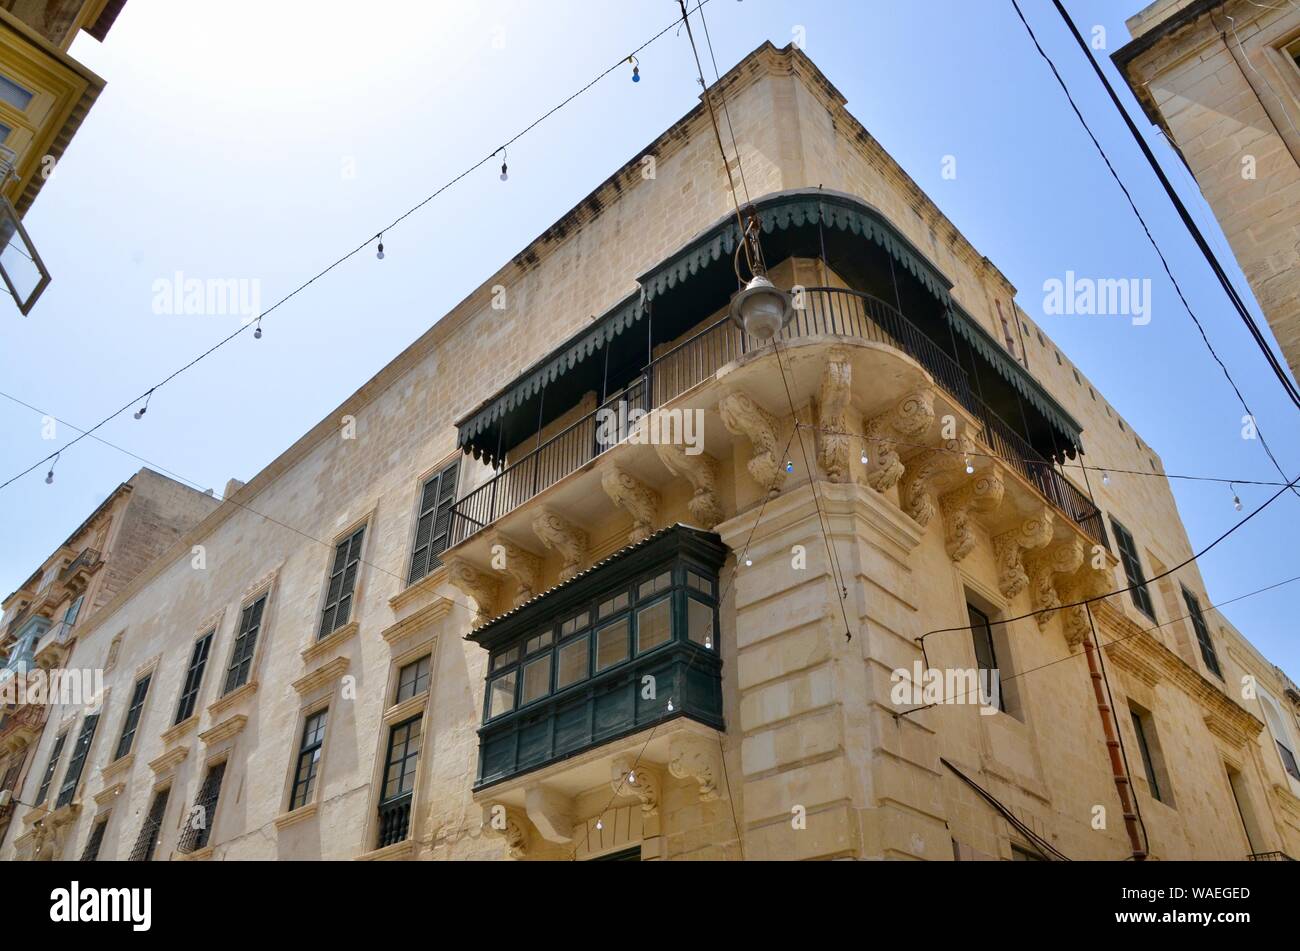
(670, 704)
(789, 465)
(864, 455)
(1236, 499)
(504, 174)
(379, 253)
(749, 562)
(600, 824)
(257, 331)
(139, 414)
(1105, 478)
(970, 467)
(631, 777)
(636, 68)
(49, 476)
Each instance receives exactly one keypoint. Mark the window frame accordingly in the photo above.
(1144, 750)
(134, 714)
(237, 659)
(420, 566)
(330, 618)
(77, 761)
(147, 839)
(190, 691)
(312, 751)
(1139, 591)
(95, 841)
(1204, 639)
(51, 767)
(425, 658)
(192, 838)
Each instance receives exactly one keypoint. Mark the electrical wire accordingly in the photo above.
(356, 250)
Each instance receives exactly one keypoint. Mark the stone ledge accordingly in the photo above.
(321, 676)
(177, 732)
(402, 851)
(198, 855)
(421, 588)
(431, 613)
(169, 760)
(224, 730)
(108, 794)
(222, 704)
(117, 767)
(294, 816)
(324, 645)
(408, 708)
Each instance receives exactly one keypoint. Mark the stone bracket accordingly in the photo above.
(636, 498)
(697, 758)
(1033, 533)
(559, 534)
(907, 421)
(742, 416)
(701, 471)
(983, 493)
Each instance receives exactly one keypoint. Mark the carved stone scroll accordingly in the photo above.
(744, 417)
(701, 471)
(479, 585)
(559, 534)
(636, 498)
(833, 415)
(982, 492)
(908, 421)
(1062, 558)
(1032, 533)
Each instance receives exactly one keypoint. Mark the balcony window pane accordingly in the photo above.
(614, 604)
(655, 585)
(573, 663)
(575, 624)
(654, 625)
(537, 679)
(14, 94)
(505, 658)
(611, 644)
(501, 695)
(699, 582)
(537, 643)
(699, 622)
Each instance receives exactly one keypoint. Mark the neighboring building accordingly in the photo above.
(1221, 78)
(44, 97)
(141, 519)
(468, 615)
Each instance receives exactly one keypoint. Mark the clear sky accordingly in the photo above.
(259, 141)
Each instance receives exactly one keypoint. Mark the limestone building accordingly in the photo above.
(1221, 79)
(140, 520)
(511, 617)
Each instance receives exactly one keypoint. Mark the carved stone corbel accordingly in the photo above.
(833, 415)
(1032, 533)
(701, 470)
(981, 493)
(551, 813)
(630, 778)
(636, 498)
(691, 756)
(922, 470)
(1087, 582)
(479, 585)
(558, 533)
(509, 823)
(909, 420)
(743, 417)
(1062, 558)
(520, 564)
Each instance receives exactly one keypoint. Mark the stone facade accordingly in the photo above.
(139, 521)
(817, 758)
(1222, 81)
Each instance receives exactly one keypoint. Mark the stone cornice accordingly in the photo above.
(222, 704)
(1137, 650)
(406, 709)
(117, 767)
(319, 648)
(422, 588)
(179, 730)
(294, 816)
(224, 730)
(431, 613)
(322, 676)
(169, 760)
(108, 794)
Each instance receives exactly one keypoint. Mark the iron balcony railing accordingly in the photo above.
(824, 311)
(394, 820)
(87, 558)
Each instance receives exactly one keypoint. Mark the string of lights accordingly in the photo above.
(378, 238)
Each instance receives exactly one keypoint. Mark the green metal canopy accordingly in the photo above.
(779, 212)
(547, 370)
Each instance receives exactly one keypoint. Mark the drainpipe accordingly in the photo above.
(1122, 784)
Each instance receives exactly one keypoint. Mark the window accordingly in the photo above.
(241, 658)
(701, 622)
(537, 679)
(1144, 747)
(70, 616)
(308, 762)
(433, 529)
(14, 94)
(1128, 556)
(986, 657)
(78, 761)
(194, 677)
(573, 662)
(399, 782)
(412, 680)
(1019, 854)
(611, 644)
(501, 695)
(132, 720)
(654, 625)
(343, 581)
(11, 774)
(198, 825)
(91, 852)
(1281, 736)
(1208, 654)
(147, 840)
(50, 767)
